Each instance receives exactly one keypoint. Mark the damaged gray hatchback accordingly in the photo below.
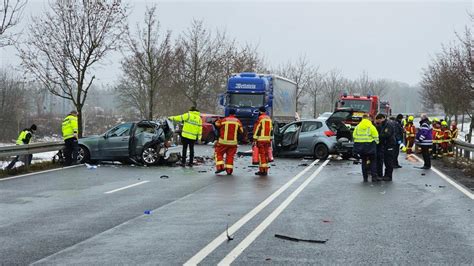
(144, 142)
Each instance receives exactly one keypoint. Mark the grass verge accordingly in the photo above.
(37, 167)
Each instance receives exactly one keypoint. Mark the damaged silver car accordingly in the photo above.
(144, 142)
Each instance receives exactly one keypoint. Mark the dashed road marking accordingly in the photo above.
(122, 188)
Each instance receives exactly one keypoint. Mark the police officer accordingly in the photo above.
(23, 138)
(192, 132)
(366, 138)
(385, 148)
(70, 136)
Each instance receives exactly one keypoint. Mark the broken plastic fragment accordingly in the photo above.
(300, 240)
(164, 177)
(147, 211)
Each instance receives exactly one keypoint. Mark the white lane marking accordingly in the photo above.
(122, 188)
(40, 172)
(261, 227)
(450, 181)
(203, 253)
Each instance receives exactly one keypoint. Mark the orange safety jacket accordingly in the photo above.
(262, 130)
(437, 136)
(447, 135)
(454, 132)
(410, 130)
(229, 127)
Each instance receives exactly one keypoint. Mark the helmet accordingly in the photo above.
(411, 118)
(435, 120)
(444, 123)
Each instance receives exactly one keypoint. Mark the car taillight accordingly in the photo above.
(329, 133)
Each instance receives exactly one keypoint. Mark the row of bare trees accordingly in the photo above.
(162, 76)
(448, 80)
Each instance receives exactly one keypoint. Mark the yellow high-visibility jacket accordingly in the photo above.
(192, 128)
(69, 127)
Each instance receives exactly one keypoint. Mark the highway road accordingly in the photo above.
(171, 215)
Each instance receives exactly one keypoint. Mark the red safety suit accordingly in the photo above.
(410, 133)
(229, 127)
(262, 136)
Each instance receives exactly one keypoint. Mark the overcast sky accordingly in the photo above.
(393, 40)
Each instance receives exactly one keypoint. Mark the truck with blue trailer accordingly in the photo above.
(246, 92)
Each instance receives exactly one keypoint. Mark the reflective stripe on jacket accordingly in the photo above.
(69, 127)
(437, 135)
(262, 130)
(365, 132)
(229, 127)
(192, 128)
(410, 130)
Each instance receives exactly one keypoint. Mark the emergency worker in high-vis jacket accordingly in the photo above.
(191, 132)
(229, 128)
(23, 138)
(262, 137)
(70, 132)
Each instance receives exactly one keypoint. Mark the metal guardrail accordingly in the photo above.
(30, 148)
(464, 149)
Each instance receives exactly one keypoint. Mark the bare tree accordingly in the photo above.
(315, 89)
(198, 58)
(300, 72)
(10, 14)
(13, 105)
(145, 71)
(333, 86)
(66, 43)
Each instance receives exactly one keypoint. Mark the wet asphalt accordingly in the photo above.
(67, 216)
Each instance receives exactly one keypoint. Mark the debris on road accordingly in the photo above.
(147, 211)
(268, 259)
(164, 177)
(202, 171)
(294, 239)
(441, 186)
(426, 185)
(382, 192)
(229, 238)
(423, 174)
(90, 166)
(303, 164)
(327, 221)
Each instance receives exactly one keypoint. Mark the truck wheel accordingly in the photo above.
(321, 151)
(150, 155)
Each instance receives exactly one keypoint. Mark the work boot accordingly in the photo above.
(229, 171)
(366, 179)
(387, 178)
(261, 173)
(375, 179)
(219, 171)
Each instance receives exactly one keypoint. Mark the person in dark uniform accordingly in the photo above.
(397, 123)
(387, 143)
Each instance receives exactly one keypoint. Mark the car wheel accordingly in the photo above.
(83, 156)
(150, 155)
(321, 151)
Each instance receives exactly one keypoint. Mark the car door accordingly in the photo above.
(309, 133)
(288, 140)
(116, 141)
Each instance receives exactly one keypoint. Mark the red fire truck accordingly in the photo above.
(359, 105)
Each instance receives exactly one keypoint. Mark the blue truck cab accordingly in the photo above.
(246, 92)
